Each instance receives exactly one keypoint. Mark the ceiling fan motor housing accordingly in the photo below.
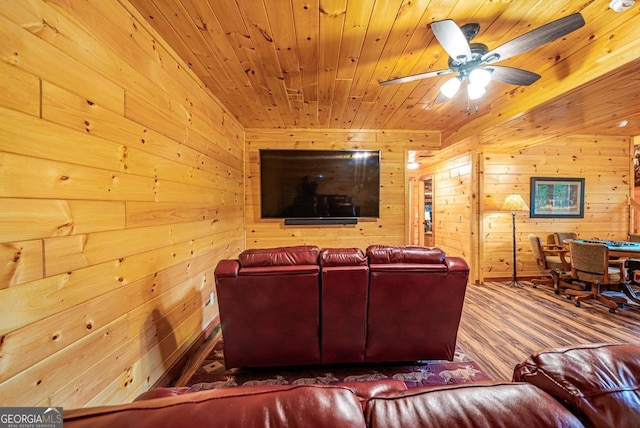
(464, 67)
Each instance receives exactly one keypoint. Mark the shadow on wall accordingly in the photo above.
(168, 334)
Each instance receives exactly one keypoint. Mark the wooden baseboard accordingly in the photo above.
(183, 365)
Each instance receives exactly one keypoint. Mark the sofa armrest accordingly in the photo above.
(456, 265)
(598, 382)
(227, 269)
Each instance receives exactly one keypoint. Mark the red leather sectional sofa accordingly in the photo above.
(583, 386)
(302, 305)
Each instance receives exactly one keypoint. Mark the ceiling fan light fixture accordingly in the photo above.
(450, 87)
(480, 77)
(475, 91)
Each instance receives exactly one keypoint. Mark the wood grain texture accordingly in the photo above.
(318, 64)
(502, 326)
(120, 188)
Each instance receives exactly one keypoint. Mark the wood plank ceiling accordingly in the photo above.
(318, 64)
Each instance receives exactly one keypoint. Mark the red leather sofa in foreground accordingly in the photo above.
(302, 305)
(591, 385)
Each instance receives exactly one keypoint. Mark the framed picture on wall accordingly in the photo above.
(553, 197)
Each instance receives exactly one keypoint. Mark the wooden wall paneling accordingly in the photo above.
(39, 178)
(389, 228)
(604, 163)
(477, 212)
(132, 54)
(121, 122)
(29, 52)
(141, 214)
(52, 374)
(24, 346)
(27, 135)
(188, 106)
(75, 112)
(452, 206)
(21, 90)
(24, 219)
(20, 262)
(66, 253)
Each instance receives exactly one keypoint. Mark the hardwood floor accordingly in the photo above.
(502, 326)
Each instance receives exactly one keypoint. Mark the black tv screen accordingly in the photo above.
(319, 183)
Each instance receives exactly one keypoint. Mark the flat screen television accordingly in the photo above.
(319, 184)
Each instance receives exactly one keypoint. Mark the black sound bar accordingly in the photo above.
(319, 221)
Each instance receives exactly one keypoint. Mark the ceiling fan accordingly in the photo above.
(475, 62)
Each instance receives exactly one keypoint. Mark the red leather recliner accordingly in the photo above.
(269, 307)
(415, 303)
(344, 284)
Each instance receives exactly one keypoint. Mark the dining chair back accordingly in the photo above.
(561, 238)
(590, 264)
(553, 260)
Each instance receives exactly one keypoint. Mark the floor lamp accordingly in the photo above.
(514, 203)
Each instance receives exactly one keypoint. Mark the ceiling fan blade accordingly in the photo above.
(452, 40)
(513, 76)
(416, 77)
(534, 38)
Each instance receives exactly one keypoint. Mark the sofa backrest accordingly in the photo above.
(295, 406)
(385, 254)
(281, 256)
(598, 382)
(331, 257)
(478, 404)
(344, 288)
(269, 301)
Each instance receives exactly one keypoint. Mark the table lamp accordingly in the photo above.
(514, 203)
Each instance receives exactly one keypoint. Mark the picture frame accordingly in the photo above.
(554, 197)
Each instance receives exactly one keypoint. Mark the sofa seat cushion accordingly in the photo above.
(479, 404)
(598, 382)
(281, 256)
(277, 406)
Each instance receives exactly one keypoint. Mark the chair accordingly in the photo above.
(561, 239)
(551, 259)
(590, 264)
(633, 237)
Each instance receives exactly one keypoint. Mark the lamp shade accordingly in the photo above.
(480, 77)
(450, 87)
(514, 202)
(475, 91)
